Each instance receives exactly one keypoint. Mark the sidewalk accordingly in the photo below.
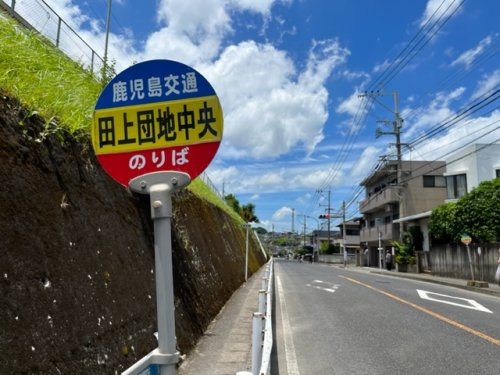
(226, 346)
(493, 289)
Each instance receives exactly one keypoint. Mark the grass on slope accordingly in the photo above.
(47, 81)
(44, 79)
(198, 187)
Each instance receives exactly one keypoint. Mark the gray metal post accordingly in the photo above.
(262, 301)
(264, 283)
(12, 6)
(58, 36)
(108, 16)
(470, 262)
(344, 233)
(161, 212)
(247, 226)
(160, 187)
(380, 250)
(256, 342)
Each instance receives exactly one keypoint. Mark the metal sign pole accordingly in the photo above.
(470, 262)
(160, 187)
(247, 226)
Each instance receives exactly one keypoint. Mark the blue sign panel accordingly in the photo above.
(154, 81)
(151, 370)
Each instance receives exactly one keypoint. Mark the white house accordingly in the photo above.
(468, 167)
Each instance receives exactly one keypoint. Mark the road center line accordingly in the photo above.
(427, 311)
(291, 358)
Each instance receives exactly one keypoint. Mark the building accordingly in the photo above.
(320, 237)
(352, 229)
(468, 167)
(422, 187)
(464, 170)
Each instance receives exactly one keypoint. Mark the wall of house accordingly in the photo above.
(478, 166)
(417, 198)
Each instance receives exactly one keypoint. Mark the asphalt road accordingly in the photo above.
(335, 321)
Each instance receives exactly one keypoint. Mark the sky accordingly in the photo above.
(290, 75)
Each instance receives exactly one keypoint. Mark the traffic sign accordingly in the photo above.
(465, 239)
(156, 116)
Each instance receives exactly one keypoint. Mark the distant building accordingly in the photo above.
(353, 229)
(320, 237)
(422, 188)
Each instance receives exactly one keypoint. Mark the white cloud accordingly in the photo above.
(262, 95)
(468, 57)
(488, 83)
(292, 176)
(304, 198)
(281, 213)
(438, 6)
(255, 197)
(350, 105)
(484, 129)
(365, 162)
(437, 111)
(381, 66)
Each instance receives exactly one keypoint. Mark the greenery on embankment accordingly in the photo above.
(44, 79)
(47, 82)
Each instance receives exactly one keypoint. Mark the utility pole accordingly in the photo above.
(304, 230)
(328, 210)
(105, 66)
(223, 186)
(344, 233)
(397, 124)
(293, 220)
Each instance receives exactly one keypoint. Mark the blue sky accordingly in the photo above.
(289, 72)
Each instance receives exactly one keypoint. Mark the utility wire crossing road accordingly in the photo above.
(336, 321)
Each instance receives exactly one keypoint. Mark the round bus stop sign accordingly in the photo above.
(156, 116)
(465, 239)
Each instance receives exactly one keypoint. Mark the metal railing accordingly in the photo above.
(37, 15)
(204, 177)
(262, 327)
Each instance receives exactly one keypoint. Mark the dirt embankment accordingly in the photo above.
(76, 257)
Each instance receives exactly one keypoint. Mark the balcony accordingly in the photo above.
(378, 200)
(388, 232)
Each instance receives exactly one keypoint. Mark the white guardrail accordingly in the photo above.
(262, 327)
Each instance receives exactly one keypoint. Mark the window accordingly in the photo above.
(352, 232)
(497, 173)
(456, 186)
(387, 219)
(434, 181)
(372, 223)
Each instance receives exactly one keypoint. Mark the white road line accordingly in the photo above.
(471, 304)
(291, 358)
(325, 289)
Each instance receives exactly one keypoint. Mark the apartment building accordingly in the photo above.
(422, 187)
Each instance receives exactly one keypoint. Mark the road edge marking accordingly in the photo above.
(291, 357)
(427, 311)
